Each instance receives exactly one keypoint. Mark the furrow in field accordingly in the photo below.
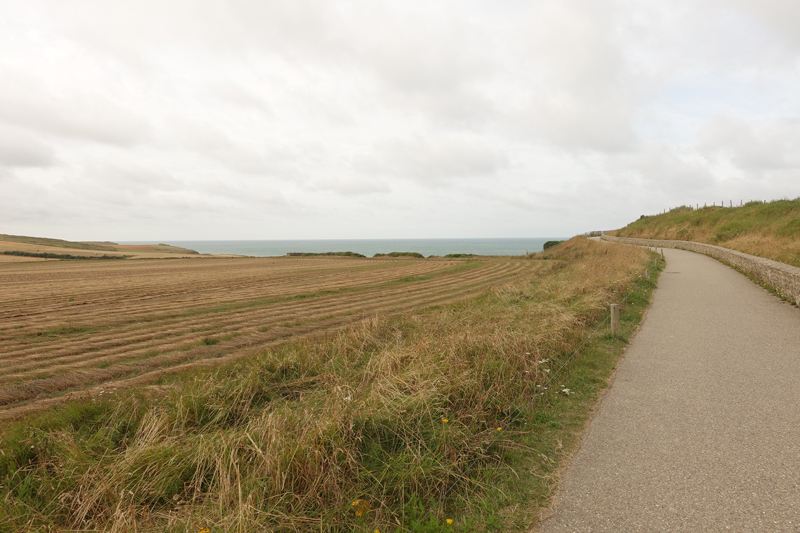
(186, 283)
(96, 321)
(78, 314)
(286, 312)
(283, 315)
(328, 312)
(81, 376)
(286, 286)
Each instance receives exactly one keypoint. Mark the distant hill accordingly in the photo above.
(21, 244)
(42, 241)
(765, 229)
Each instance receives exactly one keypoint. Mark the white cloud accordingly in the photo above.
(361, 118)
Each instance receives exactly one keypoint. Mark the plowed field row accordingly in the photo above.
(291, 283)
(152, 305)
(203, 319)
(127, 335)
(139, 336)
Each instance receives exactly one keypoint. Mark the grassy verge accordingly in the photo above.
(765, 229)
(362, 431)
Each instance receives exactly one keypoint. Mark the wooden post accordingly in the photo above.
(614, 319)
(646, 273)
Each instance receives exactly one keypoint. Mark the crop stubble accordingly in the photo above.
(69, 327)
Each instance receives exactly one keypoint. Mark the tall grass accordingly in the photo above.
(765, 229)
(355, 432)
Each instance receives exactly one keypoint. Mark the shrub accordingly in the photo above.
(550, 244)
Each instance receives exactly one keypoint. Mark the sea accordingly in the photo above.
(367, 247)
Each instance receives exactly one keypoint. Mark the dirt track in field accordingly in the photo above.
(68, 328)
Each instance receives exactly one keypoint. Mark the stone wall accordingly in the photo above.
(780, 276)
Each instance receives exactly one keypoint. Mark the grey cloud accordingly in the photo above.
(582, 92)
(123, 185)
(434, 159)
(27, 104)
(664, 170)
(237, 95)
(351, 185)
(753, 146)
(245, 156)
(20, 149)
(779, 16)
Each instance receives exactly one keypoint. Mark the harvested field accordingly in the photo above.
(69, 328)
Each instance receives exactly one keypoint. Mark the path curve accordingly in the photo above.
(700, 430)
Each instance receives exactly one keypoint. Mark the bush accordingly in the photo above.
(401, 254)
(550, 244)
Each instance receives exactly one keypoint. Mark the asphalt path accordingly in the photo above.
(700, 430)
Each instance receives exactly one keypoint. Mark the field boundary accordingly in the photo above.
(781, 278)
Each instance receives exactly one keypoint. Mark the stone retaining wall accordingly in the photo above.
(780, 276)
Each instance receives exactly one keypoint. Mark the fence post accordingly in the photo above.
(614, 319)
(646, 273)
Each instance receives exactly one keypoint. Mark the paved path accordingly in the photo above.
(700, 430)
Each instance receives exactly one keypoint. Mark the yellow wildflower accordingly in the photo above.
(360, 506)
(449, 521)
(445, 420)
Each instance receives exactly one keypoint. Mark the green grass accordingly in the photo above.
(390, 412)
(63, 330)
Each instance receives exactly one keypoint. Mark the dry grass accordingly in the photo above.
(387, 411)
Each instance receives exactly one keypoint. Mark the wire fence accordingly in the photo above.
(696, 206)
(543, 390)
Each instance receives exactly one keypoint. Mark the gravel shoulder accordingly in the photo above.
(700, 430)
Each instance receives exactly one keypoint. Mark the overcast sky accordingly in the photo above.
(291, 119)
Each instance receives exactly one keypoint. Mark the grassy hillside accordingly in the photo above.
(32, 244)
(41, 241)
(361, 431)
(766, 229)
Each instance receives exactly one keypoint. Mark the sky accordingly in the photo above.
(329, 119)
